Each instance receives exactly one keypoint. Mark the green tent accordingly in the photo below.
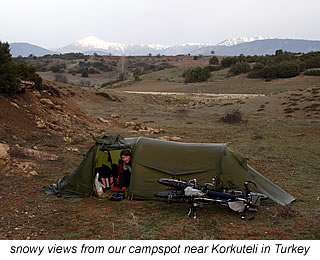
(153, 159)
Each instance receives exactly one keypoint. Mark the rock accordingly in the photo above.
(114, 115)
(36, 154)
(170, 138)
(40, 124)
(47, 102)
(127, 124)
(104, 120)
(155, 131)
(36, 93)
(67, 139)
(4, 156)
(14, 104)
(72, 149)
(175, 138)
(33, 173)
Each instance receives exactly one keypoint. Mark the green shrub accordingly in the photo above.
(288, 69)
(196, 75)
(214, 68)
(60, 78)
(255, 74)
(214, 60)
(233, 117)
(313, 62)
(240, 67)
(270, 72)
(101, 66)
(93, 71)
(55, 69)
(226, 62)
(312, 73)
(85, 73)
(257, 66)
(28, 73)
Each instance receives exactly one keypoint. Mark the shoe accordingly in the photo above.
(117, 197)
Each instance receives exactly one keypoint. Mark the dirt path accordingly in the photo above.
(209, 95)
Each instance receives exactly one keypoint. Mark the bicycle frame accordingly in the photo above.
(195, 194)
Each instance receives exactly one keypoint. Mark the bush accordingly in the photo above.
(313, 62)
(58, 68)
(214, 60)
(85, 83)
(255, 74)
(101, 66)
(214, 68)
(226, 62)
(257, 66)
(85, 73)
(232, 117)
(28, 73)
(196, 75)
(288, 69)
(240, 67)
(312, 73)
(270, 72)
(93, 71)
(60, 78)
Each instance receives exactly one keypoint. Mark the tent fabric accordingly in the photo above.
(80, 182)
(153, 159)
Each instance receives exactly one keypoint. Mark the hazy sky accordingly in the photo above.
(57, 23)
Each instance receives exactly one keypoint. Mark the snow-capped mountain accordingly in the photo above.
(91, 44)
(238, 40)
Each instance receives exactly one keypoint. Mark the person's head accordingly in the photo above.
(125, 156)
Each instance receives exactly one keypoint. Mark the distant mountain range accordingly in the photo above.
(231, 47)
(25, 49)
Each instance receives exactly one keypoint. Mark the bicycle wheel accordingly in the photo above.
(260, 195)
(171, 196)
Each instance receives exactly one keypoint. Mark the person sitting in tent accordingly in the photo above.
(124, 174)
(124, 169)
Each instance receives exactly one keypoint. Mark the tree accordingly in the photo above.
(240, 67)
(84, 73)
(226, 62)
(196, 75)
(9, 82)
(214, 60)
(279, 52)
(288, 69)
(5, 56)
(11, 73)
